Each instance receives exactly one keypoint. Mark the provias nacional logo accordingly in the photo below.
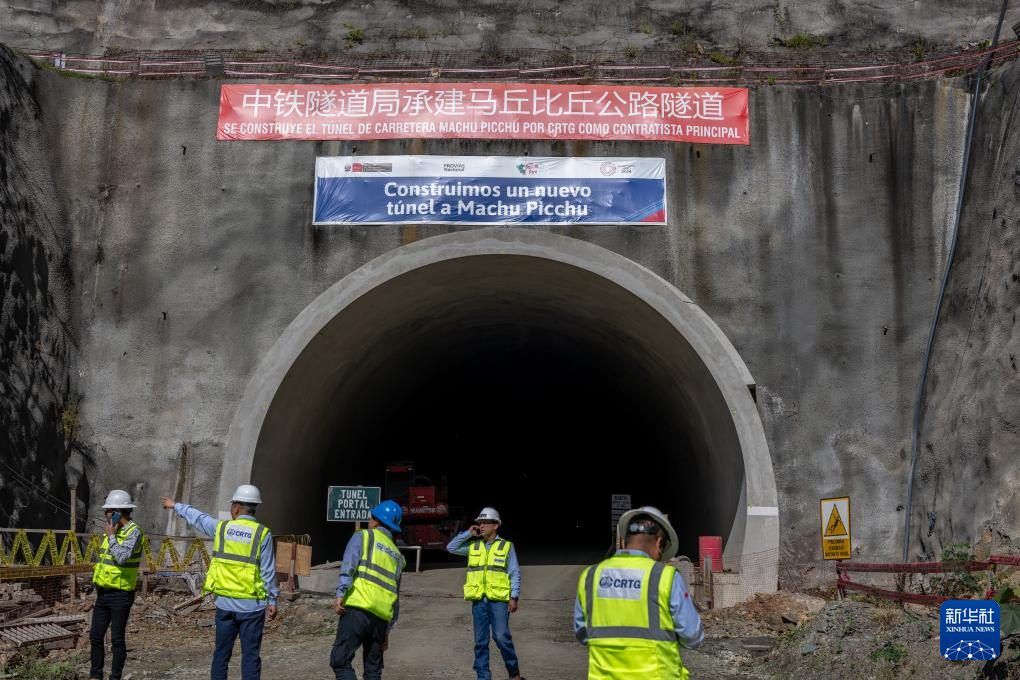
(369, 167)
(969, 630)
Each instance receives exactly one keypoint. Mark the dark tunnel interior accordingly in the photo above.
(542, 405)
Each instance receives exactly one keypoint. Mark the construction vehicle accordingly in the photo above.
(427, 518)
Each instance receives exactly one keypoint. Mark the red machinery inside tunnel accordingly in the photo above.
(428, 520)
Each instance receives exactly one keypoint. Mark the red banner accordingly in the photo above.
(715, 115)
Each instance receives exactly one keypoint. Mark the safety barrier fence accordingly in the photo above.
(40, 553)
(430, 67)
(844, 582)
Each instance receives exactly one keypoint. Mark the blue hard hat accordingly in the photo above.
(388, 513)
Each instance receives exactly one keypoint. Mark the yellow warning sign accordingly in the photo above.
(835, 518)
(835, 526)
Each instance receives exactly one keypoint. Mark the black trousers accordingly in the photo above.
(111, 611)
(358, 628)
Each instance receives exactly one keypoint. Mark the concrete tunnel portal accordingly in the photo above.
(533, 372)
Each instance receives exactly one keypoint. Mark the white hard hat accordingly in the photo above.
(246, 493)
(669, 551)
(117, 499)
(489, 514)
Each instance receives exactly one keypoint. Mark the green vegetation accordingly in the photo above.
(355, 35)
(892, 653)
(958, 584)
(886, 617)
(31, 667)
(69, 420)
(789, 635)
(1009, 610)
(630, 51)
(804, 41)
(722, 58)
(646, 28)
(779, 15)
(771, 80)
(678, 27)
(919, 50)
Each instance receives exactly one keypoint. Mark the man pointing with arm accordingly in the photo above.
(242, 575)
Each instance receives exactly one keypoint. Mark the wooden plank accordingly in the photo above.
(67, 619)
(21, 609)
(34, 631)
(302, 563)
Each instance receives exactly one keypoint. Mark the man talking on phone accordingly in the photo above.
(114, 578)
(493, 587)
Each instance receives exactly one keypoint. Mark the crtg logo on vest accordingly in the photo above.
(621, 584)
(379, 546)
(239, 534)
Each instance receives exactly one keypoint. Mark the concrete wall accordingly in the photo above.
(817, 249)
(490, 30)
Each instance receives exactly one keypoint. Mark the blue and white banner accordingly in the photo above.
(489, 190)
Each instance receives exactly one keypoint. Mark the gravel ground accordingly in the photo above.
(781, 635)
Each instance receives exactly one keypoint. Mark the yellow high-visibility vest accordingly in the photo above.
(377, 579)
(486, 571)
(108, 574)
(235, 569)
(629, 630)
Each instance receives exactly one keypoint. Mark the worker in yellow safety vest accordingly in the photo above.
(114, 578)
(368, 594)
(493, 587)
(242, 576)
(634, 612)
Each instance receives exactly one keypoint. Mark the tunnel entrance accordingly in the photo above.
(535, 373)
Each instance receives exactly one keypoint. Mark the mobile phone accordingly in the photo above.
(114, 518)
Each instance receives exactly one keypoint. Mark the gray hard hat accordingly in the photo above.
(669, 551)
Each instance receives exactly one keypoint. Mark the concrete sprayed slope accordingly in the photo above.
(487, 28)
(816, 249)
(967, 472)
(38, 414)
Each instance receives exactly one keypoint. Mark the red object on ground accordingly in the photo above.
(710, 546)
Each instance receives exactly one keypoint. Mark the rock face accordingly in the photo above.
(817, 250)
(967, 470)
(40, 448)
(489, 28)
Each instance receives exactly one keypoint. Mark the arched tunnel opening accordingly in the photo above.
(525, 383)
